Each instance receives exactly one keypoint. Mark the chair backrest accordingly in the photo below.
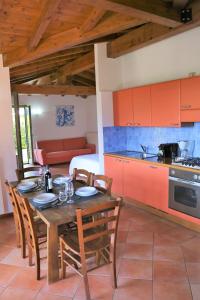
(82, 176)
(102, 183)
(16, 210)
(30, 172)
(105, 225)
(27, 216)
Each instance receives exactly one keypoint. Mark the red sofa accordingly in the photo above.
(51, 152)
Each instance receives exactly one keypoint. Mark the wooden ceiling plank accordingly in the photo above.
(155, 11)
(43, 22)
(92, 20)
(53, 89)
(71, 38)
(135, 38)
(179, 3)
(78, 65)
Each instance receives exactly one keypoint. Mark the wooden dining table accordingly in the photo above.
(59, 215)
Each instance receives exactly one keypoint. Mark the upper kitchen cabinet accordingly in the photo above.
(123, 108)
(190, 93)
(142, 106)
(190, 99)
(165, 109)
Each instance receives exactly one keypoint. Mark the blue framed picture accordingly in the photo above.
(65, 115)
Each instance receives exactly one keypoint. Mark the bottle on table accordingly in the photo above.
(48, 181)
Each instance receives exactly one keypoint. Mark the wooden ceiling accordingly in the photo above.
(48, 44)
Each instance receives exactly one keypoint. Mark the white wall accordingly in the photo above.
(7, 149)
(44, 124)
(172, 58)
(108, 78)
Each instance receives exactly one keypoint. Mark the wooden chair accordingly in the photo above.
(102, 183)
(95, 238)
(35, 235)
(82, 176)
(30, 172)
(19, 227)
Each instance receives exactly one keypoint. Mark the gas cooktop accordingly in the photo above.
(193, 162)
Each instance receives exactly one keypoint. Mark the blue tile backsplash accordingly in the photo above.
(130, 138)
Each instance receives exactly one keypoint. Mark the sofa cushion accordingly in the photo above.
(50, 145)
(74, 143)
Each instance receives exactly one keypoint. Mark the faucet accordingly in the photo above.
(144, 148)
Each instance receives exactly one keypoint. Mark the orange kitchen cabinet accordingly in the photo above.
(123, 108)
(156, 186)
(114, 169)
(142, 106)
(190, 99)
(190, 93)
(133, 184)
(146, 183)
(165, 104)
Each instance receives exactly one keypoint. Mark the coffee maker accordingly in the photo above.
(168, 150)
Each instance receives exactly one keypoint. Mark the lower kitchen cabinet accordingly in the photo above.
(156, 186)
(114, 169)
(139, 180)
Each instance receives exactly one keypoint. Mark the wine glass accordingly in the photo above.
(69, 190)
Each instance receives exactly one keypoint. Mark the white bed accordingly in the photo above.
(89, 162)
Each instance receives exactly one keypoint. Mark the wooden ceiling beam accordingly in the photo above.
(28, 78)
(87, 75)
(68, 39)
(69, 52)
(92, 20)
(145, 40)
(52, 89)
(136, 38)
(155, 11)
(38, 66)
(77, 66)
(82, 80)
(43, 22)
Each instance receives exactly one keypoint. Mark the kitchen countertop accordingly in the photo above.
(152, 158)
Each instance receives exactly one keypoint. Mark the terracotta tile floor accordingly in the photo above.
(156, 260)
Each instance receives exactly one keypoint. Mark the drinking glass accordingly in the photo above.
(62, 196)
(69, 190)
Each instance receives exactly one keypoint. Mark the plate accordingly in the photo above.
(26, 186)
(45, 198)
(61, 180)
(86, 191)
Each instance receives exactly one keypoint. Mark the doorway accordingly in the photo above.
(23, 137)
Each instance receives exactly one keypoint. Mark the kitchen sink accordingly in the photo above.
(136, 154)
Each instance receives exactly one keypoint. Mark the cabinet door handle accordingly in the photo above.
(186, 106)
(174, 124)
(153, 167)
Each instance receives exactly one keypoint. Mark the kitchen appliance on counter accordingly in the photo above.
(184, 192)
(168, 150)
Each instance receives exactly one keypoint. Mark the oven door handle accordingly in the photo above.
(184, 181)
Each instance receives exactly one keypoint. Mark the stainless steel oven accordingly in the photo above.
(184, 192)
